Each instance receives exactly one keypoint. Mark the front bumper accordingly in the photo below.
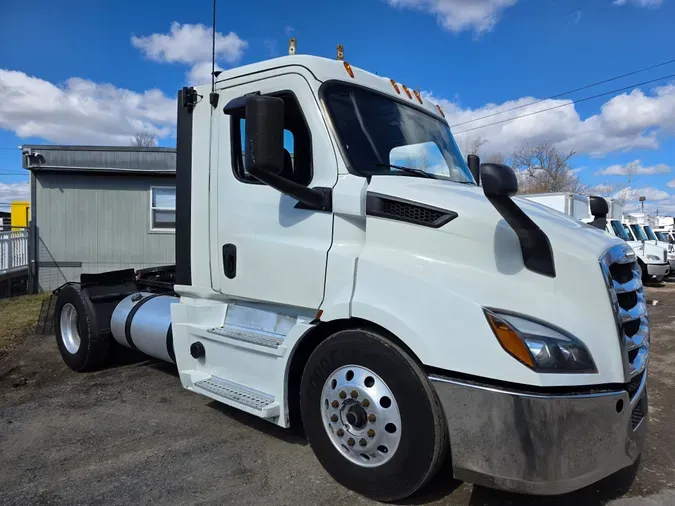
(537, 443)
(658, 270)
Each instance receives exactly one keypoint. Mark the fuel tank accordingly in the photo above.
(142, 321)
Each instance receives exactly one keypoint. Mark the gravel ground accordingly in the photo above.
(131, 434)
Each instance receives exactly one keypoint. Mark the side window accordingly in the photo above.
(297, 145)
(163, 208)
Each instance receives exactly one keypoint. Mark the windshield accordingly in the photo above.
(661, 236)
(629, 233)
(650, 233)
(638, 232)
(378, 132)
(619, 231)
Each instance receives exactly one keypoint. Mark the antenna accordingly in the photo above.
(213, 97)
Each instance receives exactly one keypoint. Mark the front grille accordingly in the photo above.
(637, 415)
(623, 277)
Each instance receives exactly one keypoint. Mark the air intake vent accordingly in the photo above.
(394, 208)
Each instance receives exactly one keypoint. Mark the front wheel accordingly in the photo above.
(371, 416)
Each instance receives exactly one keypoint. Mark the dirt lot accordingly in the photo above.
(132, 435)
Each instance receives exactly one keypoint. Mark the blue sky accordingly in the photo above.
(81, 73)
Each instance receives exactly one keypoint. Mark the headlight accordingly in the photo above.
(653, 258)
(540, 346)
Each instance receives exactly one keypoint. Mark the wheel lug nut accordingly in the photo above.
(354, 394)
(334, 418)
(371, 433)
(340, 433)
(343, 395)
(335, 404)
(372, 418)
(350, 441)
(365, 403)
(363, 442)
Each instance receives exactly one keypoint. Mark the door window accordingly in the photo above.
(297, 145)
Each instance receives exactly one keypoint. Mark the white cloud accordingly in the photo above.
(81, 111)
(633, 194)
(13, 191)
(634, 168)
(459, 15)
(671, 183)
(200, 73)
(640, 3)
(625, 122)
(190, 44)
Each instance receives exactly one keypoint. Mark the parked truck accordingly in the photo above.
(369, 288)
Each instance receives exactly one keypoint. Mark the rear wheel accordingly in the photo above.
(371, 416)
(81, 346)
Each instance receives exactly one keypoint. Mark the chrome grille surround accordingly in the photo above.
(634, 362)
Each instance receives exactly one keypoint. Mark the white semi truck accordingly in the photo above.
(368, 288)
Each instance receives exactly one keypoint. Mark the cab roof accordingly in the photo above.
(325, 69)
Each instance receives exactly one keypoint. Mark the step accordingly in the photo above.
(241, 394)
(247, 335)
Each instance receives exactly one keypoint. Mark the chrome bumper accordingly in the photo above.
(540, 444)
(658, 270)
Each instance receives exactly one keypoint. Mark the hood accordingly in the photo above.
(477, 216)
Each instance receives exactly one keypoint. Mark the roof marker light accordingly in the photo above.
(407, 91)
(417, 96)
(349, 70)
(393, 83)
(440, 110)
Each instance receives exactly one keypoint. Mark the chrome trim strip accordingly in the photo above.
(505, 391)
(629, 286)
(638, 393)
(637, 311)
(640, 337)
(639, 363)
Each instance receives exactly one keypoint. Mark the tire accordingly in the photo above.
(422, 436)
(81, 346)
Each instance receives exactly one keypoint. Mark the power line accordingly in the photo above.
(565, 93)
(572, 102)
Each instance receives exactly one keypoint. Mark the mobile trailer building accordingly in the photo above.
(99, 208)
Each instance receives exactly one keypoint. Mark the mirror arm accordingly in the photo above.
(534, 243)
(312, 199)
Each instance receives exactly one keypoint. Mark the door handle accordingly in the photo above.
(230, 260)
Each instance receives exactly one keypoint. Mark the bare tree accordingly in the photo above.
(543, 168)
(144, 140)
(471, 145)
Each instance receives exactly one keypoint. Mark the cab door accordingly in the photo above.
(270, 248)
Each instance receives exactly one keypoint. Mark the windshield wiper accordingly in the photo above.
(410, 170)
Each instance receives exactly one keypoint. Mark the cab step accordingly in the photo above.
(259, 401)
(248, 335)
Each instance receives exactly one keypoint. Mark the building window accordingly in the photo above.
(163, 208)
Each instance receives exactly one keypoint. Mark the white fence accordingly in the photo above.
(13, 251)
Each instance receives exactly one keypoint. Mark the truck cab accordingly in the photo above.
(340, 264)
(658, 264)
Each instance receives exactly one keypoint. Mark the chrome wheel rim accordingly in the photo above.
(361, 416)
(70, 335)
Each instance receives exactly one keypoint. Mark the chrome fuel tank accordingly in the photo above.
(142, 321)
